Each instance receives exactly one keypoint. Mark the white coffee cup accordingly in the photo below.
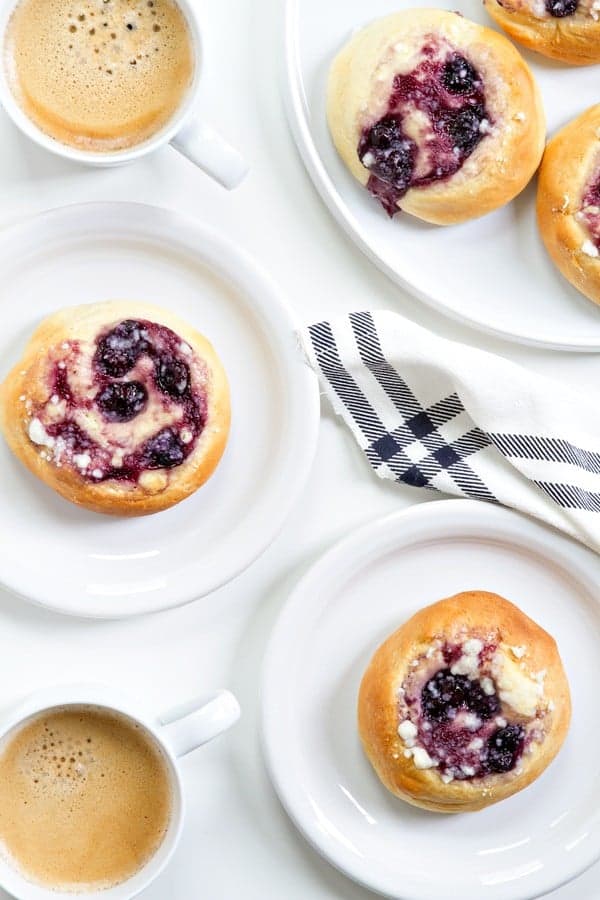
(177, 732)
(185, 130)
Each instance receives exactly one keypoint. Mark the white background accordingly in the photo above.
(238, 844)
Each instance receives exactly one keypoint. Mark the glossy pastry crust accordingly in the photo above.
(68, 340)
(528, 673)
(570, 167)
(362, 82)
(571, 38)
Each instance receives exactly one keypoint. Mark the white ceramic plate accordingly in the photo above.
(356, 595)
(78, 562)
(493, 273)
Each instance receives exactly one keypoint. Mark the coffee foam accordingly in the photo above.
(99, 75)
(85, 799)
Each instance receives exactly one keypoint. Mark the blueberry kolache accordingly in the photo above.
(120, 407)
(464, 705)
(568, 202)
(566, 30)
(435, 115)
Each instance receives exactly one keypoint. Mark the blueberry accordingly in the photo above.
(122, 401)
(163, 451)
(119, 350)
(385, 134)
(458, 75)
(396, 167)
(172, 376)
(445, 694)
(504, 748)
(387, 153)
(561, 8)
(463, 127)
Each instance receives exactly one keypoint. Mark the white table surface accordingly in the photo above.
(238, 844)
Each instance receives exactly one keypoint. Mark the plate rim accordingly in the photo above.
(301, 387)
(295, 106)
(543, 539)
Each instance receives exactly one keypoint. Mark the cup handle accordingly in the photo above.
(208, 150)
(195, 723)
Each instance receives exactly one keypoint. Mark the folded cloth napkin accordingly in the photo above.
(440, 415)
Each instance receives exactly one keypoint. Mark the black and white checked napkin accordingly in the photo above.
(444, 416)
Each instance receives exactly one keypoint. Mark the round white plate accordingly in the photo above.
(356, 595)
(493, 273)
(79, 562)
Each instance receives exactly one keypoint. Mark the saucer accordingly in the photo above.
(78, 562)
(344, 607)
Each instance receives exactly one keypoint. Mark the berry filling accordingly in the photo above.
(134, 403)
(452, 716)
(60, 384)
(445, 93)
(559, 9)
(589, 214)
(445, 695)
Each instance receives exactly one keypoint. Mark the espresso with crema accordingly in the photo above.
(99, 75)
(85, 799)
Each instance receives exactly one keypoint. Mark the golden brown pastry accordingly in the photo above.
(568, 202)
(568, 30)
(435, 115)
(120, 407)
(463, 706)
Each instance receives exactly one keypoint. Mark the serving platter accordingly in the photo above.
(78, 562)
(492, 273)
(344, 607)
